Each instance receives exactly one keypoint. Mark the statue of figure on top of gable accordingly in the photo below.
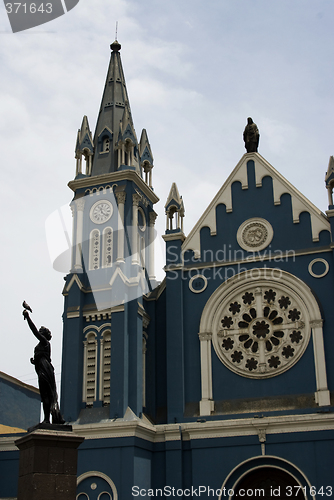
(251, 136)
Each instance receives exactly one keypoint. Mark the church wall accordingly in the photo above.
(288, 236)
(9, 473)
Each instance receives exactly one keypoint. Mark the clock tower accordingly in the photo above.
(105, 321)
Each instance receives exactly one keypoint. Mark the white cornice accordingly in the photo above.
(207, 430)
(197, 430)
(122, 175)
(174, 236)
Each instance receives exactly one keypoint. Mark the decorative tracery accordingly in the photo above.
(262, 331)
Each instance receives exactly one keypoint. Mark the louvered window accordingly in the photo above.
(90, 369)
(105, 368)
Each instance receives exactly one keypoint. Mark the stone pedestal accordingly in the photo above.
(48, 465)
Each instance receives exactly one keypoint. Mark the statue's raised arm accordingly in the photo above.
(44, 370)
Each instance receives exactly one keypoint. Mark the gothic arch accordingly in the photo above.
(283, 469)
(210, 327)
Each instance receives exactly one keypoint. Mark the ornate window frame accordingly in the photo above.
(255, 234)
(94, 250)
(107, 247)
(96, 364)
(210, 326)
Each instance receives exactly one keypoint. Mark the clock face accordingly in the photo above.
(101, 211)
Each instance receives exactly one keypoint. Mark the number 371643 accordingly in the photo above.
(24, 8)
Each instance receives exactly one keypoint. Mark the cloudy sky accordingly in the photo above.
(195, 71)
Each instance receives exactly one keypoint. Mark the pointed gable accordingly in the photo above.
(145, 151)
(84, 137)
(174, 198)
(299, 202)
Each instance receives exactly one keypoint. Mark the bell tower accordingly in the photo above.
(112, 262)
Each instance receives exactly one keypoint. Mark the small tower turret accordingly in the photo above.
(174, 205)
(146, 157)
(174, 236)
(84, 148)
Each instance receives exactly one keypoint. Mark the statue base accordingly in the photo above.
(48, 463)
(51, 427)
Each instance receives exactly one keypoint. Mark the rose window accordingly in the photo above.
(262, 331)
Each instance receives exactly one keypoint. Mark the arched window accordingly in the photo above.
(107, 247)
(105, 368)
(94, 250)
(90, 356)
(265, 481)
(106, 145)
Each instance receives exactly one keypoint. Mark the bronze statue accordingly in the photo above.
(251, 136)
(45, 371)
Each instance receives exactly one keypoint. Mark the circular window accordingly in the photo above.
(255, 234)
(198, 283)
(318, 268)
(261, 329)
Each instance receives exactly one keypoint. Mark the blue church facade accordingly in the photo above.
(217, 382)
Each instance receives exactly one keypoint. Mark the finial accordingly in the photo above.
(116, 46)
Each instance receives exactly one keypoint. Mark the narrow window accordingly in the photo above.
(94, 251)
(105, 368)
(144, 369)
(89, 393)
(107, 246)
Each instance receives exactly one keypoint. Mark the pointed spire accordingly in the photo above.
(145, 151)
(174, 197)
(115, 141)
(84, 146)
(146, 157)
